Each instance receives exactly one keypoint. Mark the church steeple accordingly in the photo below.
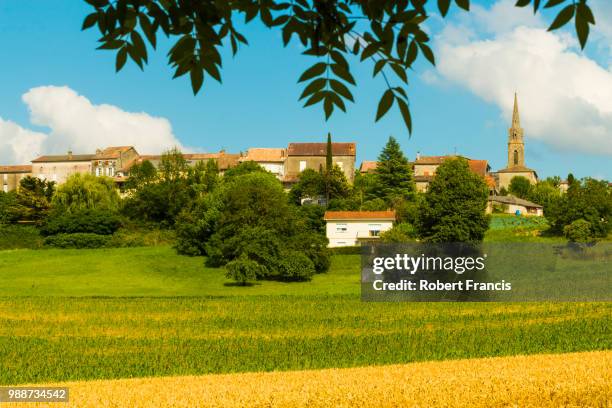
(516, 121)
(516, 146)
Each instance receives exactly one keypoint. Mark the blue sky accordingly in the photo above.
(256, 106)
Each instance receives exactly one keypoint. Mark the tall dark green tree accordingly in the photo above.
(453, 209)
(329, 157)
(394, 174)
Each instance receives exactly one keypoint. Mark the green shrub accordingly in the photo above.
(124, 238)
(244, 270)
(295, 266)
(402, 232)
(101, 222)
(579, 231)
(19, 236)
(77, 240)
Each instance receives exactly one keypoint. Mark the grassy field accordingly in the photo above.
(542, 381)
(118, 313)
(142, 312)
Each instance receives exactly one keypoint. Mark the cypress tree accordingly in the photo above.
(329, 159)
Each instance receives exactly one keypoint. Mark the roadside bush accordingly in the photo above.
(19, 236)
(77, 240)
(141, 237)
(95, 221)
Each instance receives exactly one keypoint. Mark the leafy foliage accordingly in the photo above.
(589, 200)
(579, 231)
(95, 221)
(159, 195)
(390, 35)
(31, 202)
(394, 174)
(86, 191)
(519, 186)
(246, 219)
(401, 232)
(79, 240)
(453, 209)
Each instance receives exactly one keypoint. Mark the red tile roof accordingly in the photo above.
(320, 149)
(16, 169)
(359, 215)
(113, 152)
(479, 167)
(368, 166)
(265, 155)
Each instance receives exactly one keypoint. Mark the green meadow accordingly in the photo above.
(133, 312)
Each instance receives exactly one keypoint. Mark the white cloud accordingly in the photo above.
(17, 145)
(565, 98)
(77, 124)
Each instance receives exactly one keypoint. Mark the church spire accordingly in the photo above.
(516, 121)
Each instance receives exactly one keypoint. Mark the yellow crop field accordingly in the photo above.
(555, 380)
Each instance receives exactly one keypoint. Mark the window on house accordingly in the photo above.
(5, 176)
(302, 165)
(341, 228)
(5, 188)
(341, 165)
(111, 171)
(98, 171)
(374, 229)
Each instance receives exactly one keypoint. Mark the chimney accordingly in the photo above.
(418, 155)
(70, 154)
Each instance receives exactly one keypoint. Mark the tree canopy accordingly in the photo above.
(453, 209)
(388, 34)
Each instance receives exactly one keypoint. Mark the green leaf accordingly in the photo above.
(536, 5)
(553, 3)
(328, 107)
(121, 59)
(313, 87)
(413, 51)
(90, 21)
(562, 18)
(315, 70)
(427, 52)
(385, 104)
(343, 72)
(405, 111)
(141, 48)
(369, 51)
(197, 78)
(443, 6)
(380, 64)
(341, 89)
(400, 72)
(464, 4)
(522, 3)
(336, 100)
(316, 98)
(582, 25)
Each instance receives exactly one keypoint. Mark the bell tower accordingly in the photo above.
(516, 145)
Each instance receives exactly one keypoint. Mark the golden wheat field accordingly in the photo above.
(556, 380)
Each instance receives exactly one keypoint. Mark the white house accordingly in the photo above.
(514, 205)
(350, 228)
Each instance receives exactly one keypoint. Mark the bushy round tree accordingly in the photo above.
(453, 209)
(86, 191)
